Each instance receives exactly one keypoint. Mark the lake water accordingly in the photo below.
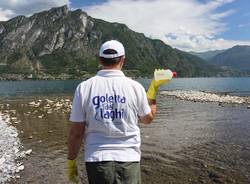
(236, 86)
(189, 142)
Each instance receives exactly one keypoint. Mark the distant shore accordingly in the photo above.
(19, 77)
(62, 76)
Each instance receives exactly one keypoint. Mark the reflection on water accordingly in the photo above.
(187, 143)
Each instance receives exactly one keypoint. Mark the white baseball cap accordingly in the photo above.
(114, 45)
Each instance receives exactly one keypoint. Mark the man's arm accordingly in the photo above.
(76, 135)
(149, 117)
(151, 95)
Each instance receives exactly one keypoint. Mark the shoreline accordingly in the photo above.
(64, 76)
(29, 77)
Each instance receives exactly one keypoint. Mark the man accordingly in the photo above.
(105, 112)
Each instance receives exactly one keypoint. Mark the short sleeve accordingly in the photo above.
(77, 112)
(144, 107)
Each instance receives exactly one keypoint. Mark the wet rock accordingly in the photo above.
(215, 177)
(28, 152)
(204, 165)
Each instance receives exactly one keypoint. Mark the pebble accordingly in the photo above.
(13, 118)
(32, 103)
(40, 116)
(20, 168)
(2, 160)
(49, 101)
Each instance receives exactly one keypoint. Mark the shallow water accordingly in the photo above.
(187, 143)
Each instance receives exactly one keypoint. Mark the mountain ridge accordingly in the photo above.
(207, 55)
(59, 41)
(237, 57)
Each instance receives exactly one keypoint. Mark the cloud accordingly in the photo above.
(200, 43)
(11, 8)
(243, 25)
(187, 25)
(5, 14)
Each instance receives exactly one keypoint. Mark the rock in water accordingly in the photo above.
(28, 152)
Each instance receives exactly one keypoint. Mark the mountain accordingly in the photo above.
(59, 42)
(207, 55)
(237, 57)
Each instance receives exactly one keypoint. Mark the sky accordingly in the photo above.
(189, 25)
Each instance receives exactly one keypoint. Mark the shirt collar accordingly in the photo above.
(110, 73)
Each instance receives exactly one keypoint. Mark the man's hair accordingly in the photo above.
(110, 61)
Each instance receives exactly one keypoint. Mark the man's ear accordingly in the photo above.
(100, 62)
(121, 62)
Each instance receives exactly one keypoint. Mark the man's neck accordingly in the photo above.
(111, 68)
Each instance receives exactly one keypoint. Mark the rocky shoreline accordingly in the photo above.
(198, 96)
(11, 149)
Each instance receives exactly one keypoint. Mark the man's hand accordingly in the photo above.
(76, 135)
(72, 171)
(153, 88)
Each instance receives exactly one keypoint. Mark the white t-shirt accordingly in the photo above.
(110, 104)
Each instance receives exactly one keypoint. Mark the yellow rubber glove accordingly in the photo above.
(72, 171)
(153, 88)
